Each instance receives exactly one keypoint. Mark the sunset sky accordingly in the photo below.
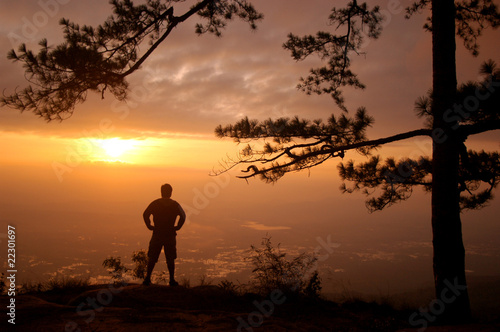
(76, 189)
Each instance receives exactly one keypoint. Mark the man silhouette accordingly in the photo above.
(165, 212)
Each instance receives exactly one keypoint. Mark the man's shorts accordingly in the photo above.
(167, 241)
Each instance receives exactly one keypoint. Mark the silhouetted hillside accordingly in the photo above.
(202, 308)
(207, 308)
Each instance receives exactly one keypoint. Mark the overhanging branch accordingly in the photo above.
(172, 24)
(477, 128)
(329, 152)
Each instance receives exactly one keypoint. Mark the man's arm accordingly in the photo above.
(147, 213)
(182, 218)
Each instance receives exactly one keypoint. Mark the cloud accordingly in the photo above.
(191, 84)
(261, 227)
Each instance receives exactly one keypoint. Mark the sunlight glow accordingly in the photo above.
(175, 150)
(115, 147)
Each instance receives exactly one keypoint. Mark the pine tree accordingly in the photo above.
(453, 175)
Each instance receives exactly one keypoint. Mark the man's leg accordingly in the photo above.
(171, 255)
(153, 254)
(151, 266)
(171, 271)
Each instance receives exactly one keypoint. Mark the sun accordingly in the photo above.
(116, 147)
(114, 150)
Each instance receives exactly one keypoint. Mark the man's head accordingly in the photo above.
(166, 190)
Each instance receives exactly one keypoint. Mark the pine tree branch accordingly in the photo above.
(172, 24)
(477, 128)
(328, 151)
(380, 141)
(99, 59)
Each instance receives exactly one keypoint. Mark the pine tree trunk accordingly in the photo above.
(452, 299)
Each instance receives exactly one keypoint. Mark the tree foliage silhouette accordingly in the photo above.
(100, 58)
(115, 268)
(479, 172)
(457, 178)
(274, 271)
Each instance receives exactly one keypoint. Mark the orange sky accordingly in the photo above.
(189, 86)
